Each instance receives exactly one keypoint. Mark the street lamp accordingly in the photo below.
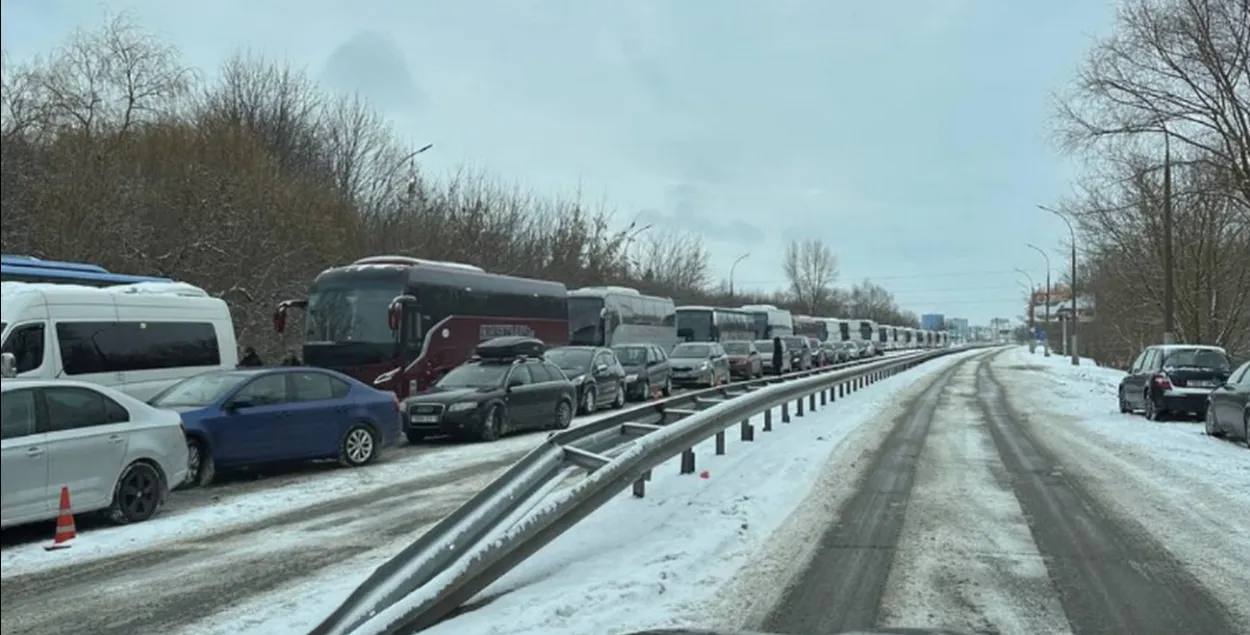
(1076, 359)
(1046, 343)
(1169, 278)
(731, 273)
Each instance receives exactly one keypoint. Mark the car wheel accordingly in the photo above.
(200, 467)
(492, 428)
(137, 495)
(590, 402)
(359, 446)
(564, 414)
(644, 393)
(1209, 424)
(1124, 407)
(618, 402)
(668, 387)
(1152, 411)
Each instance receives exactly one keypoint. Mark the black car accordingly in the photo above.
(506, 387)
(646, 370)
(1228, 407)
(595, 371)
(800, 351)
(1174, 379)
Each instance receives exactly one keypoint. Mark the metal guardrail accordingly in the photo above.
(494, 530)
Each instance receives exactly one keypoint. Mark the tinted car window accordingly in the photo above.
(71, 408)
(101, 347)
(26, 345)
(311, 387)
(554, 372)
(17, 414)
(1197, 358)
(521, 373)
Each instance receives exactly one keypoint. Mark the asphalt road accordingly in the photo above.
(961, 520)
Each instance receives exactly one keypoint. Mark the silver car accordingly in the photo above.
(115, 453)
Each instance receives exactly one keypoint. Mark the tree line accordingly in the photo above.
(1159, 115)
(114, 151)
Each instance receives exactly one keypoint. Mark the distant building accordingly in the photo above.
(933, 322)
(958, 326)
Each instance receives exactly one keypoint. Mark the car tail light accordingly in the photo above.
(1163, 381)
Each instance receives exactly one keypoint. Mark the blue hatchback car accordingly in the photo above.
(244, 417)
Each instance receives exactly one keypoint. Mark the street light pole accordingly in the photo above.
(731, 273)
(1076, 358)
(1169, 291)
(1045, 256)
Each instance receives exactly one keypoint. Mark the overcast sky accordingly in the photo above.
(911, 135)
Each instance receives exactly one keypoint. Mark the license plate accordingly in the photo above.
(425, 418)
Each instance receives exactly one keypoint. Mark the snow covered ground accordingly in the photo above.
(198, 513)
(634, 563)
(1191, 492)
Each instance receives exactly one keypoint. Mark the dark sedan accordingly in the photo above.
(1228, 407)
(745, 361)
(240, 418)
(647, 372)
(1173, 379)
(596, 372)
(488, 398)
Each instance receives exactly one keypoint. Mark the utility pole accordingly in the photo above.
(1169, 290)
(1046, 257)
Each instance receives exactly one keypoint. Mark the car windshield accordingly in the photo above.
(737, 348)
(199, 391)
(570, 359)
(631, 355)
(474, 376)
(344, 309)
(764, 345)
(793, 342)
(687, 351)
(1197, 358)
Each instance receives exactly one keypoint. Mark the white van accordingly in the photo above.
(138, 338)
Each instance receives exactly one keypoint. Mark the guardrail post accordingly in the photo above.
(640, 485)
(687, 461)
(798, 407)
(748, 430)
(840, 387)
(785, 412)
(768, 420)
(720, 443)
(823, 395)
(811, 400)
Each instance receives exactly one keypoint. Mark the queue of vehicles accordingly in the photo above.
(106, 365)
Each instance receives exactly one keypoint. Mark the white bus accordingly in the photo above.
(770, 321)
(863, 331)
(886, 337)
(138, 338)
(714, 324)
(611, 316)
(839, 330)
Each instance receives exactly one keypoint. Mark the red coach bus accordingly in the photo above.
(400, 323)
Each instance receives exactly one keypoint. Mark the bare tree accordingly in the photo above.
(811, 269)
(672, 260)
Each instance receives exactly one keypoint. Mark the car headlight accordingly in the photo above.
(578, 379)
(705, 366)
(462, 406)
(629, 379)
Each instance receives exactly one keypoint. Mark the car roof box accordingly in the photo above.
(511, 347)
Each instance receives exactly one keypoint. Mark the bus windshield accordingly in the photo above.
(865, 330)
(694, 326)
(350, 311)
(586, 321)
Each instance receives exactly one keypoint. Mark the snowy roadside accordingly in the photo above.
(200, 513)
(634, 563)
(1190, 492)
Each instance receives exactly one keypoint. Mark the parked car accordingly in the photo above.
(646, 370)
(800, 351)
(1228, 407)
(841, 352)
(506, 387)
(115, 453)
(1173, 379)
(765, 347)
(255, 416)
(699, 363)
(820, 357)
(744, 360)
(595, 372)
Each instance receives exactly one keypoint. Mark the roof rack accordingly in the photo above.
(510, 348)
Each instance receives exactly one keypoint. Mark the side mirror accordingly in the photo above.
(8, 365)
(238, 404)
(395, 311)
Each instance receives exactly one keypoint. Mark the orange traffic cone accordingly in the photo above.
(65, 531)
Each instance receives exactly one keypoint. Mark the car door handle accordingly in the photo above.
(34, 452)
(116, 438)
